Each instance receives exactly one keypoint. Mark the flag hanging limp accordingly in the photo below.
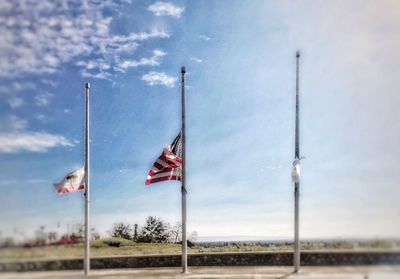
(296, 171)
(73, 181)
(169, 165)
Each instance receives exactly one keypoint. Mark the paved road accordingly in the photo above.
(381, 272)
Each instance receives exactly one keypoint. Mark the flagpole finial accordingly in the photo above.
(298, 54)
(87, 85)
(183, 70)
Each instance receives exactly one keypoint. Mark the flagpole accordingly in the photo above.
(87, 192)
(183, 189)
(296, 256)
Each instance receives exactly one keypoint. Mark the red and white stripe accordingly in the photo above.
(167, 167)
(71, 188)
(72, 182)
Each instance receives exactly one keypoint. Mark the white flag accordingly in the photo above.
(296, 171)
(74, 181)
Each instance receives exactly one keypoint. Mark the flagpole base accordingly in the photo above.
(297, 271)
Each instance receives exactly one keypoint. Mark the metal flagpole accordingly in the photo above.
(296, 257)
(87, 192)
(183, 189)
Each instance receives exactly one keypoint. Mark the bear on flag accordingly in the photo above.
(73, 181)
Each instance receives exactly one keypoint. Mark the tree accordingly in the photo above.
(193, 236)
(176, 233)
(7, 242)
(52, 236)
(78, 231)
(41, 236)
(94, 234)
(122, 230)
(155, 230)
(135, 232)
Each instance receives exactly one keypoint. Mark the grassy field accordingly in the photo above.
(108, 247)
(76, 250)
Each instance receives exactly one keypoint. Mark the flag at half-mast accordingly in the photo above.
(296, 170)
(169, 165)
(73, 181)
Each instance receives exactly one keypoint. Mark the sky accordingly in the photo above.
(240, 62)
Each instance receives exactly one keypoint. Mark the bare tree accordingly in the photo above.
(78, 231)
(52, 236)
(7, 242)
(41, 236)
(176, 233)
(193, 236)
(95, 235)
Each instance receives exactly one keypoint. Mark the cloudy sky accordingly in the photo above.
(240, 58)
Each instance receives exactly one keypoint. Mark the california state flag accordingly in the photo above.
(74, 181)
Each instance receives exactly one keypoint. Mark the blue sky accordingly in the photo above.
(240, 59)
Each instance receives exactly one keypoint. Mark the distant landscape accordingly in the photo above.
(120, 247)
(158, 237)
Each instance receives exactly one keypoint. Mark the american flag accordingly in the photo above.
(169, 165)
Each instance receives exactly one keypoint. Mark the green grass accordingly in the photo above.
(76, 250)
(123, 247)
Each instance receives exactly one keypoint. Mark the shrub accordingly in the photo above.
(112, 242)
(380, 244)
(122, 230)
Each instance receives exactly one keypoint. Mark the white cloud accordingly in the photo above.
(195, 59)
(40, 117)
(12, 123)
(99, 64)
(204, 38)
(99, 75)
(39, 37)
(18, 181)
(157, 78)
(30, 141)
(49, 82)
(15, 138)
(152, 61)
(165, 8)
(16, 86)
(15, 102)
(43, 99)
